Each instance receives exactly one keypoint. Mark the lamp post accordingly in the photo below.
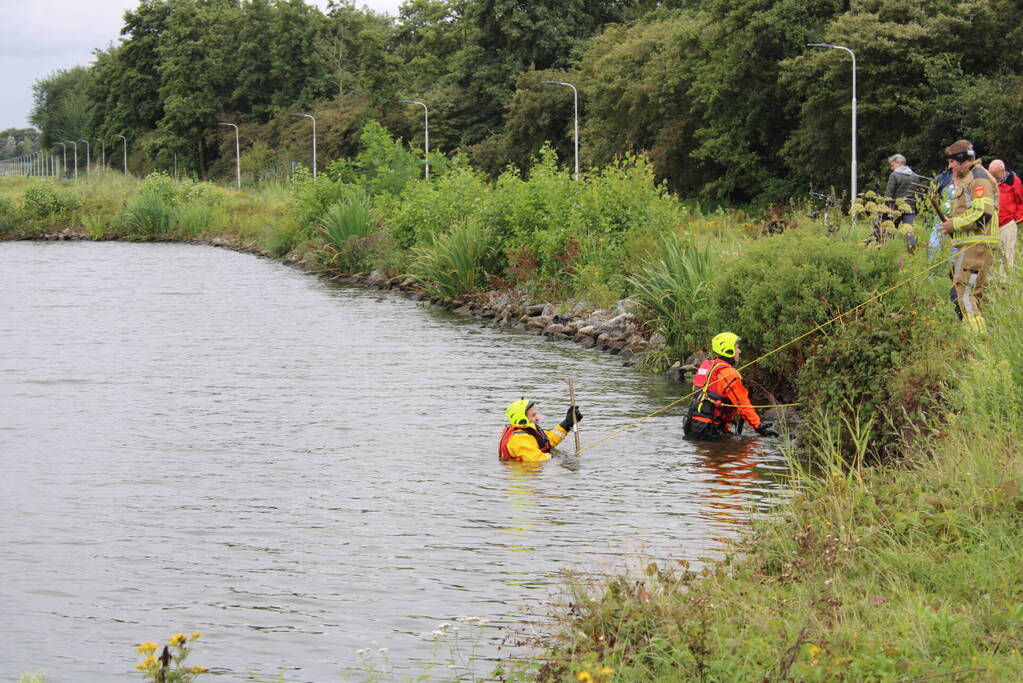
(87, 159)
(237, 152)
(313, 119)
(852, 171)
(124, 153)
(74, 146)
(426, 134)
(65, 156)
(575, 137)
(102, 151)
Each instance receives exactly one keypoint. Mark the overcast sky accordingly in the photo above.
(43, 36)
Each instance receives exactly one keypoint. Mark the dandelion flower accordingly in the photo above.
(178, 639)
(607, 671)
(146, 648)
(583, 677)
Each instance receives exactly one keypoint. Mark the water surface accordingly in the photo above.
(193, 439)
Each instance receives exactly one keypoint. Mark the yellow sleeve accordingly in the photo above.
(523, 446)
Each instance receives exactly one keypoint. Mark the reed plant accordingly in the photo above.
(673, 287)
(147, 216)
(345, 227)
(457, 262)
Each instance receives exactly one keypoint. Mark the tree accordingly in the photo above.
(62, 107)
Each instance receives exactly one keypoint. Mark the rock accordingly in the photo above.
(555, 328)
(626, 306)
(696, 359)
(581, 306)
(464, 309)
(548, 311)
(636, 343)
(658, 339)
(535, 310)
(625, 354)
(377, 279)
(534, 330)
(586, 331)
(674, 373)
(603, 339)
(585, 342)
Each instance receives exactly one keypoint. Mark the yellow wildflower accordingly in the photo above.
(179, 639)
(197, 669)
(146, 648)
(583, 677)
(607, 671)
(196, 635)
(814, 651)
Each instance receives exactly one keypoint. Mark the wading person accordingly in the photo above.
(523, 438)
(971, 226)
(721, 394)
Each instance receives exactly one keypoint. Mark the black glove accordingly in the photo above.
(765, 429)
(571, 419)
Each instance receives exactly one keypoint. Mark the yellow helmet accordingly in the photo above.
(516, 413)
(724, 344)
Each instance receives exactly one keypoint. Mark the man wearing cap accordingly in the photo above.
(971, 227)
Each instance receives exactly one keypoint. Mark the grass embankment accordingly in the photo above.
(905, 570)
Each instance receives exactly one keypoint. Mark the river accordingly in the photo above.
(194, 439)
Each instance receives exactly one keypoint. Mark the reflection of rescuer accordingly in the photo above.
(524, 439)
(721, 394)
(973, 228)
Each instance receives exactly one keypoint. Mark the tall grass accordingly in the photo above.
(673, 287)
(147, 215)
(457, 262)
(345, 227)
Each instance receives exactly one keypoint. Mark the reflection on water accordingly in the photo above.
(198, 440)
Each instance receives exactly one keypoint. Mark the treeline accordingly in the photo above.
(724, 96)
(17, 141)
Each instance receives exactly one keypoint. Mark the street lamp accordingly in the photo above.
(124, 152)
(426, 134)
(102, 151)
(313, 119)
(87, 159)
(575, 97)
(237, 152)
(74, 146)
(852, 172)
(65, 156)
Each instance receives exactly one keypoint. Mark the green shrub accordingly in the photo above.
(312, 196)
(457, 262)
(887, 371)
(47, 202)
(9, 219)
(782, 287)
(383, 166)
(146, 216)
(428, 209)
(160, 184)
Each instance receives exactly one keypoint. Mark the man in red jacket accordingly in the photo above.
(1010, 208)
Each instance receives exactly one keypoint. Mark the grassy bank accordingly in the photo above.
(902, 570)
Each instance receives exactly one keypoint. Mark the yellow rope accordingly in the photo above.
(769, 353)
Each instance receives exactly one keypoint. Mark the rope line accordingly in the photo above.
(817, 328)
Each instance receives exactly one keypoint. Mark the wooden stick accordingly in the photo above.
(937, 208)
(571, 399)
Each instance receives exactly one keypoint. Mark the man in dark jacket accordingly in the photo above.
(902, 184)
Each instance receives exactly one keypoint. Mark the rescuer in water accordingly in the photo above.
(721, 394)
(523, 438)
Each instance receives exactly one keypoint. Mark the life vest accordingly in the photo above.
(541, 440)
(708, 405)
